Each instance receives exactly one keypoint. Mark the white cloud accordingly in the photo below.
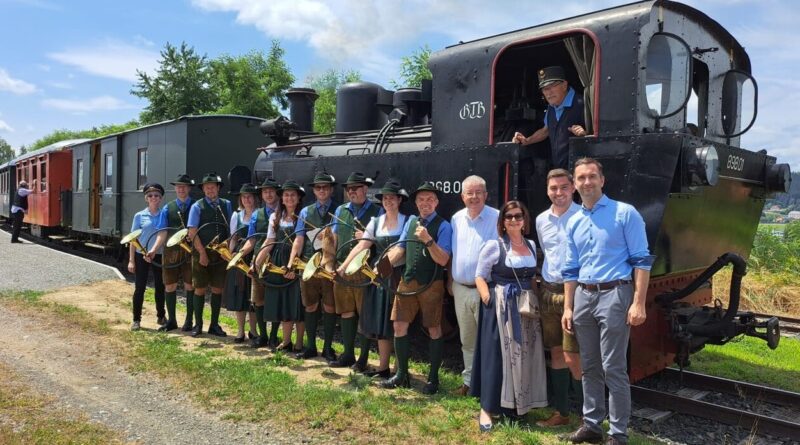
(59, 85)
(43, 67)
(100, 103)
(5, 127)
(16, 86)
(114, 59)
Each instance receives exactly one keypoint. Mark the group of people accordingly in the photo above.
(579, 304)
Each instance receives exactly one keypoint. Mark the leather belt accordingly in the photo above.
(604, 286)
(556, 288)
(471, 286)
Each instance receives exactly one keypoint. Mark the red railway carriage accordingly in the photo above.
(48, 172)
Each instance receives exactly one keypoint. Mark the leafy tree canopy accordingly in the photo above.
(326, 85)
(6, 152)
(414, 69)
(94, 132)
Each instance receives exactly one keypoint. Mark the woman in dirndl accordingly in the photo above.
(376, 309)
(282, 302)
(508, 368)
(237, 283)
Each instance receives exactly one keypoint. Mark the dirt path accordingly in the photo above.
(75, 368)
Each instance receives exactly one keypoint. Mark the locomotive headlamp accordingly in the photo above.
(779, 178)
(702, 165)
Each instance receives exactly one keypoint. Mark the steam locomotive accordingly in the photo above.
(668, 92)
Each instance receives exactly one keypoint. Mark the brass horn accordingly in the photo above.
(268, 267)
(360, 264)
(311, 268)
(238, 262)
(179, 239)
(221, 247)
(133, 238)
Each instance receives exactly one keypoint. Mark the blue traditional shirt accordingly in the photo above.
(322, 210)
(194, 211)
(357, 215)
(444, 236)
(163, 216)
(147, 222)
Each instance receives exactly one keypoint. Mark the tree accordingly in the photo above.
(93, 133)
(6, 152)
(181, 86)
(252, 85)
(326, 85)
(414, 69)
(22, 150)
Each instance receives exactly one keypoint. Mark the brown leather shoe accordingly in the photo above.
(462, 390)
(586, 434)
(616, 441)
(555, 420)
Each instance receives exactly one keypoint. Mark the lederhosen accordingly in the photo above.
(282, 303)
(315, 289)
(375, 320)
(236, 295)
(215, 271)
(349, 298)
(173, 255)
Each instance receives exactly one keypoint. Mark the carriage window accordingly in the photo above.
(34, 176)
(667, 77)
(79, 175)
(109, 172)
(43, 173)
(739, 101)
(142, 169)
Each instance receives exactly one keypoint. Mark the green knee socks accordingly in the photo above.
(262, 325)
(216, 305)
(189, 306)
(401, 349)
(171, 298)
(349, 336)
(560, 379)
(312, 319)
(199, 303)
(328, 326)
(435, 350)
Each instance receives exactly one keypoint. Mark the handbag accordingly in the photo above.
(527, 301)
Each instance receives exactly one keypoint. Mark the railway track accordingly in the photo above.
(753, 408)
(789, 325)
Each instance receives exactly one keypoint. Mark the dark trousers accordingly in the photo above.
(142, 269)
(17, 217)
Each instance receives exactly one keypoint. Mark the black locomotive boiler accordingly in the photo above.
(668, 92)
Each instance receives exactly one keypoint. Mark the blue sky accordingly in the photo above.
(72, 64)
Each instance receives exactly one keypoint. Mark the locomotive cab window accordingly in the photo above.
(519, 105)
(739, 99)
(667, 75)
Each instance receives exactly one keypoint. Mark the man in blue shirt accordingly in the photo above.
(177, 264)
(473, 226)
(18, 210)
(606, 247)
(563, 119)
(213, 215)
(421, 260)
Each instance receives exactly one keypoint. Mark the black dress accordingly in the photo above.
(282, 303)
(237, 283)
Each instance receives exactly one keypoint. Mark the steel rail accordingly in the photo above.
(746, 390)
(755, 423)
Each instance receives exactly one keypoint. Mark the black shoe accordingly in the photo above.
(187, 326)
(216, 329)
(396, 382)
(430, 388)
(197, 331)
(239, 339)
(169, 326)
(251, 335)
(16, 241)
(307, 353)
(259, 342)
(329, 355)
(359, 366)
(585, 434)
(344, 361)
(274, 343)
(283, 347)
(384, 374)
(161, 321)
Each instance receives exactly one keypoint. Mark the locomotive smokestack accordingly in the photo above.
(301, 107)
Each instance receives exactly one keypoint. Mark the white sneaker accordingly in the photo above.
(135, 326)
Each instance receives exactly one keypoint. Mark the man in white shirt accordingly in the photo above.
(564, 353)
(19, 209)
(472, 226)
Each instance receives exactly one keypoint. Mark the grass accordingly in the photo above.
(775, 293)
(748, 359)
(30, 418)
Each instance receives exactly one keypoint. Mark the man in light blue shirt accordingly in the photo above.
(606, 245)
(472, 226)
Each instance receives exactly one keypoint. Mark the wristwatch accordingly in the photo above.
(429, 243)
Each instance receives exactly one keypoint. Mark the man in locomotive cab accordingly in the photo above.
(434, 235)
(209, 220)
(563, 119)
(606, 272)
(259, 223)
(350, 221)
(175, 215)
(316, 290)
(18, 210)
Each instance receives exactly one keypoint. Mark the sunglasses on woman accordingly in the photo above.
(153, 195)
(515, 216)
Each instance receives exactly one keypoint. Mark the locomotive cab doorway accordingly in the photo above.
(519, 105)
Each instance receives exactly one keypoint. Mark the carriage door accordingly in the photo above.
(96, 189)
(109, 187)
